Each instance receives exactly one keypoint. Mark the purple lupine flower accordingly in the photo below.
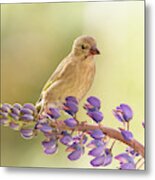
(26, 111)
(96, 134)
(76, 152)
(51, 150)
(103, 159)
(54, 113)
(14, 125)
(5, 108)
(49, 143)
(126, 161)
(50, 146)
(27, 117)
(17, 106)
(75, 155)
(128, 166)
(124, 158)
(123, 113)
(71, 122)
(72, 99)
(95, 143)
(96, 116)
(44, 127)
(27, 133)
(15, 111)
(107, 160)
(93, 104)
(6, 105)
(127, 135)
(108, 157)
(96, 151)
(66, 139)
(70, 107)
(30, 106)
(97, 161)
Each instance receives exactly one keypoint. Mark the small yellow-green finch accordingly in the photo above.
(73, 76)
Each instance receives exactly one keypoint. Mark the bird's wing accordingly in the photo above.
(55, 76)
(57, 73)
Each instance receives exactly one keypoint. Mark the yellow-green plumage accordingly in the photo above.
(73, 76)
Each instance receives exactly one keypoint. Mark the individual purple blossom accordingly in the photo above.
(93, 104)
(26, 111)
(14, 125)
(107, 160)
(124, 158)
(108, 157)
(97, 116)
(127, 135)
(96, 134)
(54, 113)
(128, 166)
(97, 161)
(27, 133)
(27, 117)
(44, 127)
(96, 151)
(126, 161)
(76, 151)
(50, 146)
(75, 155)
(15, 111)
(95, 143)
(103, 159)
(123, 113)
(51, 150)
(5, 108)
(17, 106)
(30, 106)
(71, 122)
(71, 99)
(66, 139)
(70, 107)
(49, 143)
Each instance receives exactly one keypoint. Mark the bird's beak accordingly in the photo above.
(94, 51)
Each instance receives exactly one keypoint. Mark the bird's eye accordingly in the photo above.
(83, 47)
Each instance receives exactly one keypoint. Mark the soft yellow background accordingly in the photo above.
(35, 38)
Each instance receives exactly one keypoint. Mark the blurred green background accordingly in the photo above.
(36, 37)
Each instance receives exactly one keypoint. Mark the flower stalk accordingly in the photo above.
(111, 132)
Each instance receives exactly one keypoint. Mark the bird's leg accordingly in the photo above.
(43, 111)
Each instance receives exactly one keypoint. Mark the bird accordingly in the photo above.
(74, 75)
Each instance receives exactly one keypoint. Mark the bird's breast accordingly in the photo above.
(84, 75)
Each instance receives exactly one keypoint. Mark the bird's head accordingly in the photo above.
(85, 46)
